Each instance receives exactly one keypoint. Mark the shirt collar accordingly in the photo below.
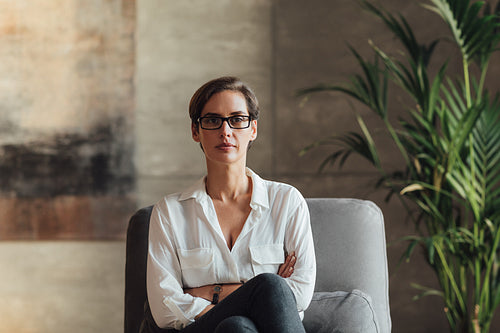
(259, 192)
(196, 191)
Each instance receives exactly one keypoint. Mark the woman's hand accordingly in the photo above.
(286, 269)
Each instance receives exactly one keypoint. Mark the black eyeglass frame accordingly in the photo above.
(225, 119)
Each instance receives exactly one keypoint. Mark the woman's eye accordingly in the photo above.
(212, 120)
(237, 119)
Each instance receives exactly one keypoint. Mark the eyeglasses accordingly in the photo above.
(214, 122)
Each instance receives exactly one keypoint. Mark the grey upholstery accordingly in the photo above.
(349, 239)
(351, 256)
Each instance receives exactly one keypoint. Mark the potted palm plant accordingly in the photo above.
(449, 141)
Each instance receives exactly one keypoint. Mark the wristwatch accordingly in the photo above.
(217, 291)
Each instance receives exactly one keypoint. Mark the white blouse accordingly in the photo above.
(187, 248)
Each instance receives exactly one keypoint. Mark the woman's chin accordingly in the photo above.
(226, 158)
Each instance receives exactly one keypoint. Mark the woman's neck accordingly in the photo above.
(228, 182)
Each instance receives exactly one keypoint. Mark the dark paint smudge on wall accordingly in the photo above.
(72, 186)
(71, 164)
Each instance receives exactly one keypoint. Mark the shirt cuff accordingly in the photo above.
(186, 317)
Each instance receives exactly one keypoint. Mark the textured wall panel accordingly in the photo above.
(66, 118)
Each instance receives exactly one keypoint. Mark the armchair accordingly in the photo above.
(352, 285)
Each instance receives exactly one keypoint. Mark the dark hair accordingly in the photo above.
(206, 91)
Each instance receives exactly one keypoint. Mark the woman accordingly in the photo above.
(234, 252)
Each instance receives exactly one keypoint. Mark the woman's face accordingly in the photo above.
(225, 145)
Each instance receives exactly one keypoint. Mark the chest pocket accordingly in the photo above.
(267, 258)
(197, 265)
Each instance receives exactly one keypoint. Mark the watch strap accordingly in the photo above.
(215, 296)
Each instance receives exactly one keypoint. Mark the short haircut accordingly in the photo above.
(231, 83)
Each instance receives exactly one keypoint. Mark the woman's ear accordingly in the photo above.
(195, 132)
(254, 130)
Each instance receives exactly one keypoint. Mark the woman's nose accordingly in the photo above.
(225, 129)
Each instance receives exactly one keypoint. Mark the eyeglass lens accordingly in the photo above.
(237, 122)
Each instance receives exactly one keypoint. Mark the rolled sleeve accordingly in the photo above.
(170, 306)
(299, 240)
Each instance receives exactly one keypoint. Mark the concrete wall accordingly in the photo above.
(49, 287)
(180, 45)
(277, 47)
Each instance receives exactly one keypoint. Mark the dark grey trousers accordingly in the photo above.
(263, 304)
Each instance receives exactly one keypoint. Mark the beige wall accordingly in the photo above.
(50, 287)
(277, 47)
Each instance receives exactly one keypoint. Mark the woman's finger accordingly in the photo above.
(283, 267)
(286, 269)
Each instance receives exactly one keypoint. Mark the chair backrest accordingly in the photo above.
(350, 247)
(349, 239)
(135, 269)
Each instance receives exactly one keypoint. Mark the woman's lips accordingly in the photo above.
(225, 146)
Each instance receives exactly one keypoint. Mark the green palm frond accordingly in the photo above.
(346, 144)
(419, 53)
(411, 76)
(426, 291)
(475, 35)
(369, 88)
(414, 79)
(483, 57)
(477, 177)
